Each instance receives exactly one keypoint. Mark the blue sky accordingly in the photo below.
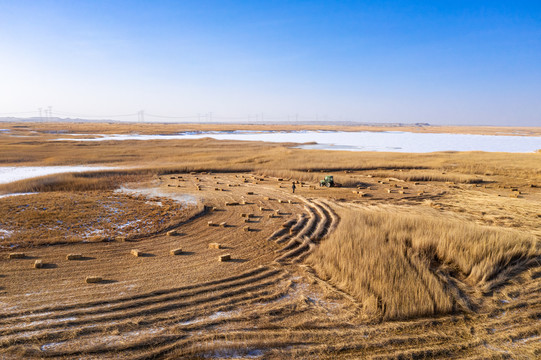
(442, 62)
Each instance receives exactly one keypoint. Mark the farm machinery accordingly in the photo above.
(328, 181)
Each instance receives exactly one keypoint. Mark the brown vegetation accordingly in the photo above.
(73, 216)
(399, 264)
(467, 290)
(59, 129)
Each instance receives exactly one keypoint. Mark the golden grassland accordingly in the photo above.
(55, 128)
(143, 159)
(90, 216)
(441, 259)
(401, 265)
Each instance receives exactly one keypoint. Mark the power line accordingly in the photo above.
(18, 113)
(46, 113)
(141, 116)
(175, 117)
(94, 116)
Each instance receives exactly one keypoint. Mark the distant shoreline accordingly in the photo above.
(107, 127)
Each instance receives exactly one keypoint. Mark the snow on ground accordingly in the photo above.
(215, 316)
(158, 193)
(14, 173)
(4, 234)
(102, 341)
(15, 194)
(393, 141)
(235, 354)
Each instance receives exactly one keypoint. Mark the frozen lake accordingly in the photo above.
(14, 173)
(392, 141)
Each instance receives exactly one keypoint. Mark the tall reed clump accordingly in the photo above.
(425, 175)
(388, 260)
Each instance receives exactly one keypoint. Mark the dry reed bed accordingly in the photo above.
(207, 155)
(213, 155)
(64, 217)
(427, 175)
(276, 324)
(56, 129)
(389, 259)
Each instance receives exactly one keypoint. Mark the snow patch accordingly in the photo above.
(235, 354)
(393, 141)
(105, 341)
(16, 194)
(128, 223)
(46, 322)
(158, 193)
(155, 203)
(5, 233)
(15, 173)
(50, 346)
(215, 316)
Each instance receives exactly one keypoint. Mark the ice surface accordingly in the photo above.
(14, 173)
(15, 194)
(158, 193)
(391, 141)
(5, 234)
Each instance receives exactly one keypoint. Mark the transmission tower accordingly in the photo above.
(141, 116)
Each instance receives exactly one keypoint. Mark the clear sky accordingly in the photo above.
(443, 62)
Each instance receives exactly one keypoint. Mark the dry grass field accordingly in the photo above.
(63, 217)
(413, 256)
(404, 265)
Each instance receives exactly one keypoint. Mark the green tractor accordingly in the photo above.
(328, 181)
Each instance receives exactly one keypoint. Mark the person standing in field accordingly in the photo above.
(293, 187)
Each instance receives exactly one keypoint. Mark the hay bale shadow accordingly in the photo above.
(84, 258)
(238, 260)
(186, 253)
(145, 254)
(108, 281)
(49, 266)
